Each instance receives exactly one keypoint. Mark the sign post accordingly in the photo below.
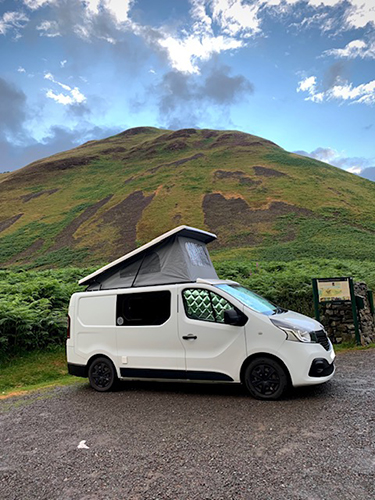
(336, 290)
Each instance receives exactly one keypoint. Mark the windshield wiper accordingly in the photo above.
(279, 310)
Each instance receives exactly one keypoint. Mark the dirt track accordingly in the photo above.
(169, 441)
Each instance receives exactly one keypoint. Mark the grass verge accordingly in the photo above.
(34, 370)
(351, 347)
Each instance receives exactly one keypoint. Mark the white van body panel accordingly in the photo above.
(151, 346)
(218, 348)
(92, 327)
(95, 329)
(97, 310)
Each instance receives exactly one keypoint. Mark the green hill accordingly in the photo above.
(96, 202)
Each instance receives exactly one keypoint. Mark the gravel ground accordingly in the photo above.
(185, 441)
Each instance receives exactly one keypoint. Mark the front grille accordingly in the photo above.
(322, 339)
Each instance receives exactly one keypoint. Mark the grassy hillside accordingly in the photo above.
(95, 203)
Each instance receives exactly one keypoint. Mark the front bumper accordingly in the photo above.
(308, 364)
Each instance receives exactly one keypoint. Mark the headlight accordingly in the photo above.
(292, 332)
(297, 334)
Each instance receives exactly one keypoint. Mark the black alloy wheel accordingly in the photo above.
(265, 378)
(102, 375)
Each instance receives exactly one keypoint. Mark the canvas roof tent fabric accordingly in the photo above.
(178, 256)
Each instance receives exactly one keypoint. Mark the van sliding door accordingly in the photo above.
(147, 335)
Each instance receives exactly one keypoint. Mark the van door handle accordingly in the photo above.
(190, 337)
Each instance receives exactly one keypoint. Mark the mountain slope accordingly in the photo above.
(100, 200)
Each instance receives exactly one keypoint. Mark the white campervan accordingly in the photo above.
(160, 312)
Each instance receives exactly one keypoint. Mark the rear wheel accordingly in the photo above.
(102, 374)
(266, 378)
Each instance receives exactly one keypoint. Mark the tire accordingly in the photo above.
(102, 374)
(266, 379)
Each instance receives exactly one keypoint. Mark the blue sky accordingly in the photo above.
(300, 73)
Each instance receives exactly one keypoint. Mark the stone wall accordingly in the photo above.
(366, 319)
(338, 319)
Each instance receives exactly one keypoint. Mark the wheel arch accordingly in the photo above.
(96, 356)
(248, 360)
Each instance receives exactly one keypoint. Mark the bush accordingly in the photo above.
(34, 304)
(288, 284)
(33, 308)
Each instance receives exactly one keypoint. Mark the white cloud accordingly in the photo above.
(325, 154)
(186, 52)
(12, 21)
(354, 165)
(322, 20)
(364, 93)
(60, 98)
(37, 4)
(307, 85)
(63, 63)
(75, 97)
(345, 91)
(358, 13)
(237, 18)
(72, 95)
(49, 29)
(355, 13)
(93, 6)
(215, 26)
(324, 3)
(82, 32)
(49, 76)
(198, 12)
(21, 69)
(119, 9)
(355, 48)
(224, 28)
(222, 25)
(354, 170)
(361, 13)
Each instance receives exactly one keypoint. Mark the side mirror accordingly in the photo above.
(234, 317)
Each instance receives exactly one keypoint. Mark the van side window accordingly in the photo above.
(204, 305)
(198, 305)
(144, 308)
(220, 305)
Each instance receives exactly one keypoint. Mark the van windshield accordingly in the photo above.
(250, 299)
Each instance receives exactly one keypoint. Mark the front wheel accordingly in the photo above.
(265, 378)
(102, 374)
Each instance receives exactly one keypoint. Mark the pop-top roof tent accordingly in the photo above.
(178, 256)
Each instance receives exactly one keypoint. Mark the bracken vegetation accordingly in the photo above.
(33, 308)
(34, 304)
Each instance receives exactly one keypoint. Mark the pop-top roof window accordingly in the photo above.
(197, 254)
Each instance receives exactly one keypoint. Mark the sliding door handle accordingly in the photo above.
(190, 337)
